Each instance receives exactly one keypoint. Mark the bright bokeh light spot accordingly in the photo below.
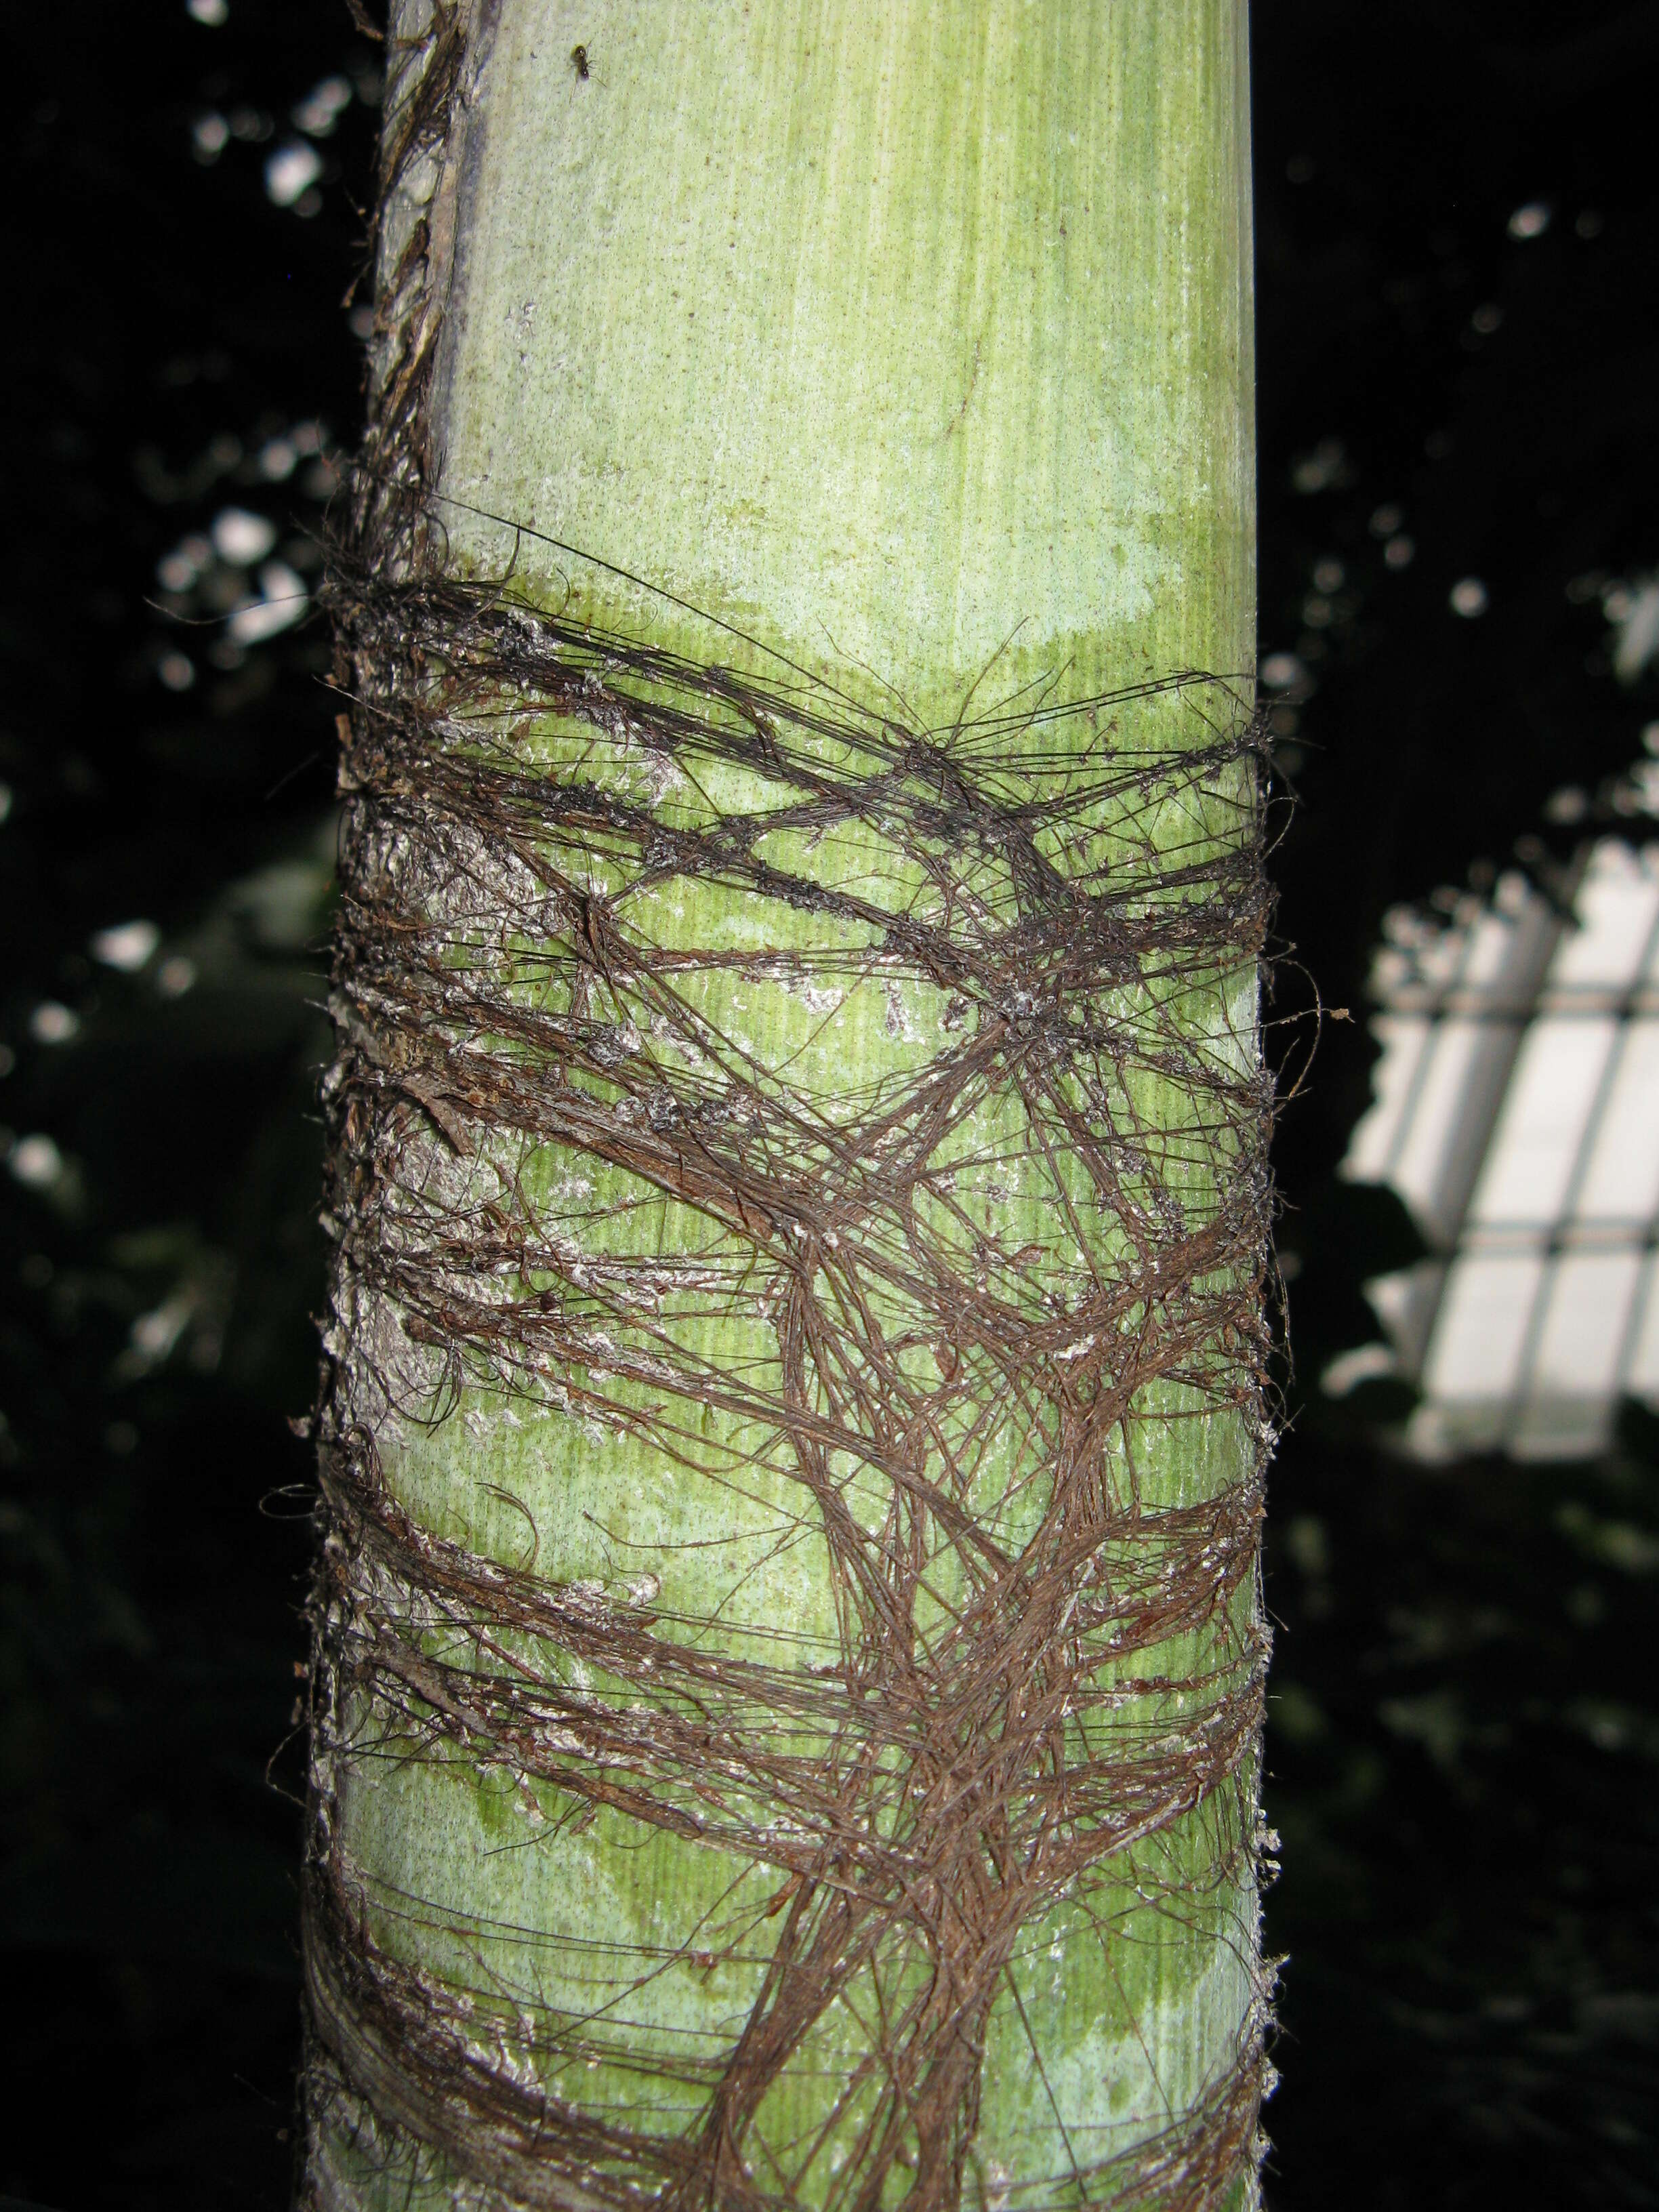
(283, 600)
(1633, 610)
(1467, 598)
(127, 945)
(175, 976)
(321, 110)
(1399, 552)
(209, 134)
(176, 670)
(1321, 469)
(277, 458)
(1531, 221)
(155, 1334)
(1366, 1363)
(178, 570)
(210, 12)
(1643, 788)
(1569, 805)
(36, 1162)
(53, 1023)
(1282, 671)
(291, 172)
(240, 538)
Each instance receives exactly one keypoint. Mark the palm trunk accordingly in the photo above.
(798, 1124)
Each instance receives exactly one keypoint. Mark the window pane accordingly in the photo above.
(1541, 1126)
(1481, 1331)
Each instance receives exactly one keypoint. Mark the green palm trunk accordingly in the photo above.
(910, 345)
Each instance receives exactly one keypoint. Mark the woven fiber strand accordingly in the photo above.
(935, 1318)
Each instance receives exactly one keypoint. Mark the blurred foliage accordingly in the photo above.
(1464, 1733)
(1459, 348)
(176, 349)
(1463, 1747)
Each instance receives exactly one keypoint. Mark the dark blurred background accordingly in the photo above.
(1457, 213)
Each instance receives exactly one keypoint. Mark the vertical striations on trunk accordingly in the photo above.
(788, 1661)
